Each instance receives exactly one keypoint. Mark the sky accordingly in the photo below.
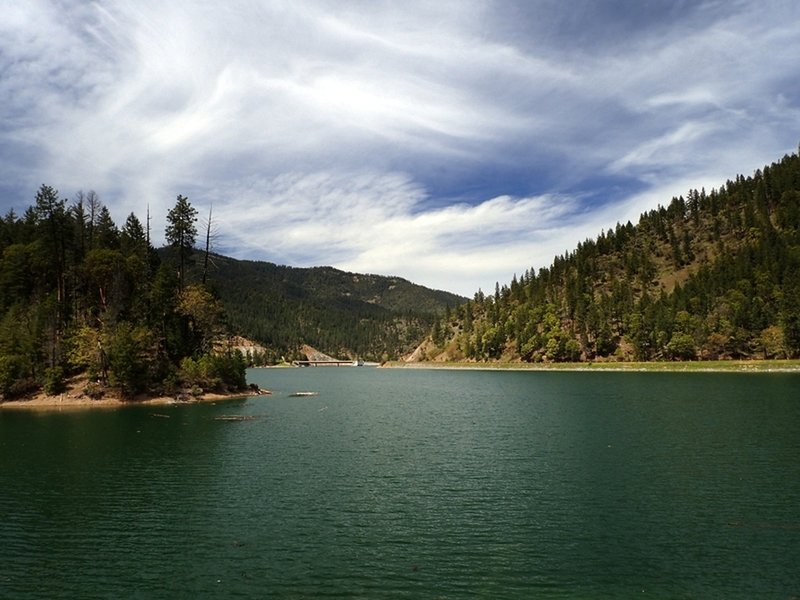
(452, 143)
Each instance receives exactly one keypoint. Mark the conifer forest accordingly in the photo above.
(713, 275)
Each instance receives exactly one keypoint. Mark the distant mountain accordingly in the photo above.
(714, 275)
(80, 296)
(343, 314)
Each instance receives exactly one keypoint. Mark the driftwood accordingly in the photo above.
(258, 391)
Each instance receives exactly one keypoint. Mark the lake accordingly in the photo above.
(394, 483)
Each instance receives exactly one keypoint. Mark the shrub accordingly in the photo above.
(94, 391)
(681, 347)
(129, 358)
(13, 382)
(54, 381)
(228, 369)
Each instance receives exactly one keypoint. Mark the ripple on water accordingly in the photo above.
(414, 484)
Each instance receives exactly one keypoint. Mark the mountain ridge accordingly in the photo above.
(711, 276)
(342, 313)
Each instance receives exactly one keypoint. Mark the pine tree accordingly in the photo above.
(181, 233)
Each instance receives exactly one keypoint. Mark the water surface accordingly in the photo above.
(415, 484)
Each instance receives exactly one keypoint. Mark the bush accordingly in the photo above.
(214, 371)
(681, 347)
(54, 381)
(228, 369)
(126, 360)
(13, 382)
(8, 373)
(190, 372)
(169, 385)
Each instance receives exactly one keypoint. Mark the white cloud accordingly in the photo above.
(368, 222)
(665, 150)
(357, 134)
(697, 96)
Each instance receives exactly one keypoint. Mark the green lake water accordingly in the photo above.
(414, 484)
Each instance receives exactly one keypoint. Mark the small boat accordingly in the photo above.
(303, 394)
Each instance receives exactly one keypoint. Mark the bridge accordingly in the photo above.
(327, 363)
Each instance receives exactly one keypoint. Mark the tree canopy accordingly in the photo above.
(181, 233)
(713, 275)
(79, 295)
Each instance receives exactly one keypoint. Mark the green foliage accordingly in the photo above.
(214, 371)
(713, 276)
(229, 368)
(204, 315)
(342, 314)
(84, 350)
(11, 370)
(22, 344)
(130, 357)
(181, 233)
(77, 295)
(790, 307)
(681, 346)
(772, 342)
(53, 380)
(133, 239)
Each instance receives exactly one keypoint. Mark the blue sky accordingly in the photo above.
(453, 143)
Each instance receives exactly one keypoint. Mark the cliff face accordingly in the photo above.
(315, 355)
(243, 345)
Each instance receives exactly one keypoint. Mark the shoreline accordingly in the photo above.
(72, 400)
(732, 366)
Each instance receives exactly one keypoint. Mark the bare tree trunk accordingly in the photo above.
(208, 246)
(94, 205)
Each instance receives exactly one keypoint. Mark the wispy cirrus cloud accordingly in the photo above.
(379, 223)
(452, 143)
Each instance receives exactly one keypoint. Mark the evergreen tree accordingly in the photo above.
(106, 234)
(181, 233)
(76, 296)
(132, 236)
(712, 276)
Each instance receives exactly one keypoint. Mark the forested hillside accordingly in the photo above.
(78, 295)
(713, 275)
(343, 314)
